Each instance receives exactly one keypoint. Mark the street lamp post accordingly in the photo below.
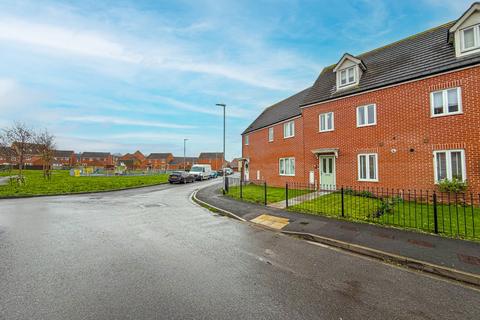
(223, 162)
(184, 153)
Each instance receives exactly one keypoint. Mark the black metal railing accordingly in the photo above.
(450, 214)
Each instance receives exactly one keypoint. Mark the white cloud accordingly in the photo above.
(125, 121)
(165, 55)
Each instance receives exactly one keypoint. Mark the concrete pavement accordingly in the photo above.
(153, 254)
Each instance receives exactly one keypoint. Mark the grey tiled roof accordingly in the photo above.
(211, 155)
(62, 153)
(95, 154)
(158, 156)
(280, 111)
(420, 55)
(179, 160)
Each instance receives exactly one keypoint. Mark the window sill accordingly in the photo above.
(367, 180)
(366, 125)
(289, 137)
(446, 114)
(322, 131)
(286, 175)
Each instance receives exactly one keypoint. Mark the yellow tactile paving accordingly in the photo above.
(271, 221)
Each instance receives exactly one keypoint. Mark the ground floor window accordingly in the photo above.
(449, 164)
(368, 167)
(287, 166)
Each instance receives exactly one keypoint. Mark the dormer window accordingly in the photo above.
(465, 32)
(470, 38)
(347, 76)
(348, 71)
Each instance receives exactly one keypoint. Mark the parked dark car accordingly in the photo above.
(220, 173)
(213, 174)
(180, 177)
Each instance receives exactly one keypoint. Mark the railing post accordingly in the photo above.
(241, 189)
(265, 191)
(225, 187)
(343, 203)
(435, 213)
(286, 195)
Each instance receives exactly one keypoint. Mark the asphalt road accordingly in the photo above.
(153, 254)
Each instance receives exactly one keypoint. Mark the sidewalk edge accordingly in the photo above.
(210, 207)
(445, 272)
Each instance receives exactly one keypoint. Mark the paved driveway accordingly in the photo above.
(152, 254)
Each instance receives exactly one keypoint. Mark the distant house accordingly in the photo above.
(215, 159)
(159, 161)
(6, 155)
(31, 155)
(96, 159)
(178, 163)
(64, 158)
(234, 164)
(133, 161)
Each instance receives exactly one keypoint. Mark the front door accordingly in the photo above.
(246, 171)
(327, 172)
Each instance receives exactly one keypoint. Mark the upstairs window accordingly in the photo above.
(289, 129)
(449, 164)
(446, 102)
(247, 140)
(367, 115)
(326, 121)
(470, 38)
(270, 134)
(347, 76)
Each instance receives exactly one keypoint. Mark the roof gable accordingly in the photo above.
(473, 8)
(348, 56)
(417, 56)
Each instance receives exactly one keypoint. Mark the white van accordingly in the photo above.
(201, 171)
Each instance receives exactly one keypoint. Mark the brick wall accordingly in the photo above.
(404, 138)
(264, 155)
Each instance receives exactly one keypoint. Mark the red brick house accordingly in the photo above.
(97, 159)
(406, 115)
(133, 161)
(215, 159)
(178, 163)
(159, 161)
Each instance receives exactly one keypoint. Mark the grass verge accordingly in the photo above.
(256, 193)
(453, 220)
(63, 183)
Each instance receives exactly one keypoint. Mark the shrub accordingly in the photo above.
(454, 185)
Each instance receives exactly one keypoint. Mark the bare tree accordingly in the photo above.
(45, 143)
(5, 151)
(20, 138)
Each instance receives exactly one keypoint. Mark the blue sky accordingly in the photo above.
(125, 75)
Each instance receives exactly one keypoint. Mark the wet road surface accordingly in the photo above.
(153, 254)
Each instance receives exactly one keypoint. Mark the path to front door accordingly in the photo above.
(327, 172)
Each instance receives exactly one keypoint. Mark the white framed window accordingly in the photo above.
(367, 115)
(247, 140)
(289, 129)
(449, 164)
(326, 122)
(348, 76)
(368, 167)
(286, 166)
(446, 102)
(270, 134)
(470, 38)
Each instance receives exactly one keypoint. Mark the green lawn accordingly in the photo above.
(462, 221)
(63, 183)
(256, 193)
